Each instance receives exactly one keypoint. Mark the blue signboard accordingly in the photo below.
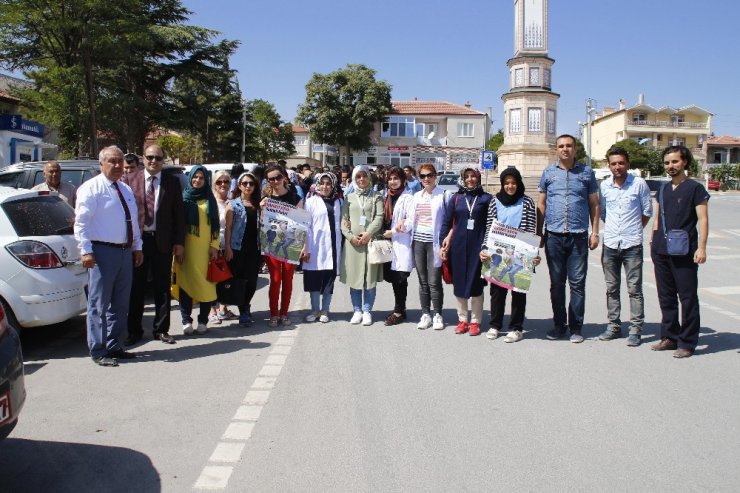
(487, 160)
(16, 124)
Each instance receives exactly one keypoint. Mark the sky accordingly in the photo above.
(675, 52)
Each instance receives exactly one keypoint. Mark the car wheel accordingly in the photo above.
(9, 315)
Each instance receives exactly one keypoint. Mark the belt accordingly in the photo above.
(120, 246)
(147, 233)
(554, 233)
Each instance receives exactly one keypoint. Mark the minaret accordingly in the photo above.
(530, 107)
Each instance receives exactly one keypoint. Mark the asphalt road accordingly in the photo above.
(335, 407)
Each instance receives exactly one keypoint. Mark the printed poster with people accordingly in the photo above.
(284, 230)
(512, 257)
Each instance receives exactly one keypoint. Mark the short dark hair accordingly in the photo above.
(566, 136)
(618, 151)
(682, 150)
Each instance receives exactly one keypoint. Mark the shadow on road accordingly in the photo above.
(716, 342)
(30, 465)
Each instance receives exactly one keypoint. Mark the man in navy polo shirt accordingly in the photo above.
(568, 199)
(684, 207)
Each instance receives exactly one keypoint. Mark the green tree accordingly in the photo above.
(644, 157)
(581, 155)
(495, 141)
(268, 137)
(341, 107)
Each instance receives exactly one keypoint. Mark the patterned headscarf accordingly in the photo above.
(332, 178)
(461, 182)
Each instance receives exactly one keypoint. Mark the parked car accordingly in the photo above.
(12, 386)
(713, 184)
(42, 280)
(28, 175)
(447, 181)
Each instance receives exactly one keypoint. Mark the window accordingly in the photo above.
(400, 159)
(534, 120)
(546, 77)
(300, 140)
(44, 215)
(11, 179)
(465, 129)
(551, 121)
(519, 77)
(660, 138)
(679, 141)
(424, 129)
(534, 76)
(676, 120)
(717, 157)
(398, 126)
(515, 121)
(639, 118)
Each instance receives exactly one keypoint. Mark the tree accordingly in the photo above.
(341, 107)
(646, 158)
(495, 141)
(268, 137)
(581, 155)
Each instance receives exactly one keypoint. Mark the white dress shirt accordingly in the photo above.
(99, 214)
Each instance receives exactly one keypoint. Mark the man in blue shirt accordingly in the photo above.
(626, 207)
(568, 199)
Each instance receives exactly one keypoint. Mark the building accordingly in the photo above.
(530, 106)
(306, 151)
(722, 150)
(650, 126)
(449, 135)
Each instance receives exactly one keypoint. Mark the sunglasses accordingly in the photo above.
(223, 182)
(154, 158)
(427, 175)
(247, 183)
(274, 178)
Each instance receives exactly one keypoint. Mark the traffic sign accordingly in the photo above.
(487, 158)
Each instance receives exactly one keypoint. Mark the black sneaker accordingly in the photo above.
(105, 361)
(556, 333)
(609, 335)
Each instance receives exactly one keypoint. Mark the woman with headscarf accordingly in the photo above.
(362, 219)
(242, 239)
(397, 226)
(463, 230)
(323, 251)
(281, 272)
(513, 208)
(202, 241)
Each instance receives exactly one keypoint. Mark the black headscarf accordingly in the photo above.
(504, 197)
(190, 198)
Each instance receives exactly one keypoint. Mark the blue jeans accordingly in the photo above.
(357, 296)
(612, 261)
(317, 299)
(567, 259)
(186, 308)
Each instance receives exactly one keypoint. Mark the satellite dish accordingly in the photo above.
(644, 141)
(430, 136)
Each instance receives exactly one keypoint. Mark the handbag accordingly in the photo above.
(218, 270)
(446, 266)
(676, 240)
(231, 291)
(380, 251)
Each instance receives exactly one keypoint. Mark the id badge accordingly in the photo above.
(363, 220)
(471, 224)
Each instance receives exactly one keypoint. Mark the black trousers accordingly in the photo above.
(246, 265)
(498, 305)
(678, 280)
(161, 268)
(400, 282)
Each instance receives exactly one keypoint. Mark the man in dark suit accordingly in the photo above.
(162, 223)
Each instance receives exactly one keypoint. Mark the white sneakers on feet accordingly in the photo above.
(312, 317)
(437, 322)
(187, 329)
(367, 319)
(324, 318)
(425, 322)
(356, 318)
(492, 333)
(201, 329)
(513, 336)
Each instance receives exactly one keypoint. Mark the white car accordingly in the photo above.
(42, 280)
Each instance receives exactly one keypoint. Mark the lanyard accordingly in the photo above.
(470, 207)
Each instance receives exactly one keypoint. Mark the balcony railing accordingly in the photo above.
(668, 124)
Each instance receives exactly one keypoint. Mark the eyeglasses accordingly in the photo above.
(223, 182)
(427, 175)
(154, 158)
(247, 184)
(274, 178)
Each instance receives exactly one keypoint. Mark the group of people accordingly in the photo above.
(130, 225)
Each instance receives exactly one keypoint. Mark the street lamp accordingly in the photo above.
(590, 110)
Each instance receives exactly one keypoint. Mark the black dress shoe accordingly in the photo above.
(133, 339)
(166, 338)
(105, 361)
(121, 354)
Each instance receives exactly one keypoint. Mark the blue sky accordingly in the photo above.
(675, 52)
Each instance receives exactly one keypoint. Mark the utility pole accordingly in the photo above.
(244, 129)
(589, 112)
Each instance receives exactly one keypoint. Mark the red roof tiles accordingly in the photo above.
(724, 140)
(431, 108)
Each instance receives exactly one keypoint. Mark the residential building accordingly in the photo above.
(722, 150)
(306, 151)
(655, 127)
(448, 135)
(530, 106)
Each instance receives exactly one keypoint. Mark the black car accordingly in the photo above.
(12, 387)
(28, 175)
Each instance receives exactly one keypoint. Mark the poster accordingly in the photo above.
(284, 230)
(512, 257)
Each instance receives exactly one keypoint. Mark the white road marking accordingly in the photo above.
(276, 359)
(270, 371)
(248, 413)
(257, 397)
(735, 232)
(239, 431)
(723, 290)
(280, 350)
(214, 478)
(264, 382)
(227, 452)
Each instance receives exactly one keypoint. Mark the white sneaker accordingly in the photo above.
(425, 322)
(367, 319)
(187, 329)
(437, 322)
(311, 317)
(324, 318)
(492, 333)
(201, 329)
(356, 318)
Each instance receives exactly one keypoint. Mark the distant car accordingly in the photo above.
(713, 185)
(42, 280)
(28, 175)
(447, 181)
(12, 386)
